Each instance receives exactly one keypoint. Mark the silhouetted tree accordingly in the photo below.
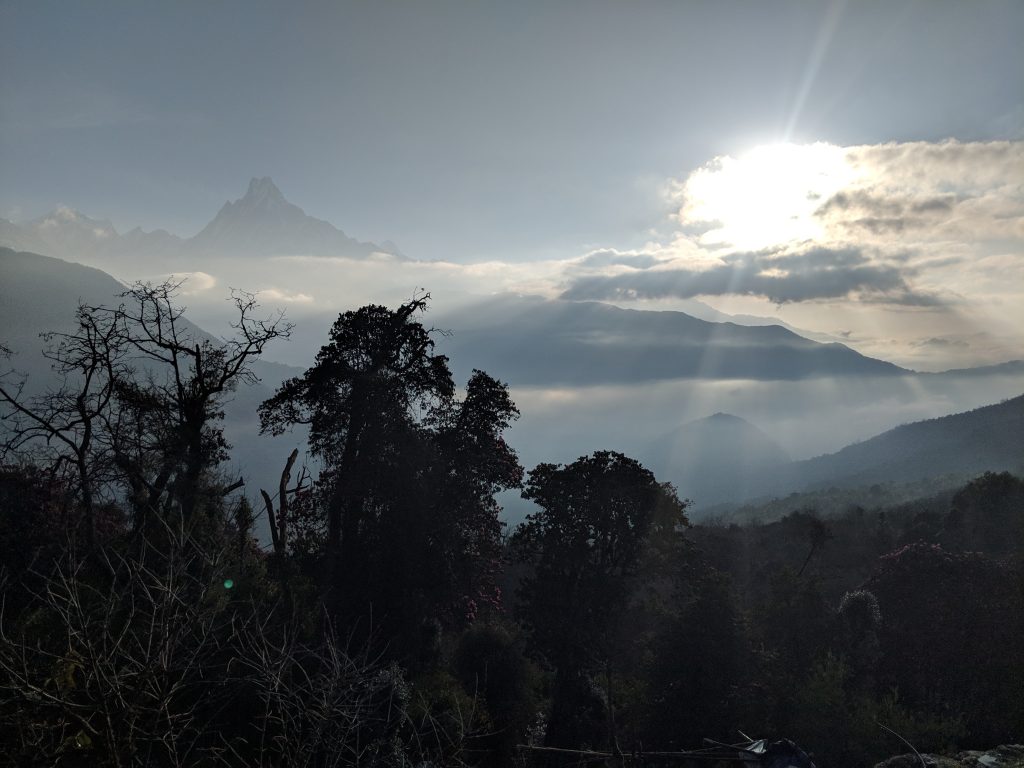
(699, 675)
(59, 429)
(166, 435)
(410, 471)
(601, 519)
(987, 515)
(490, 663)
(142, 392)
(951, 629)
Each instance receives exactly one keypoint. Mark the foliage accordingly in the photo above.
(144, 623)
(939, 609)
(137, 655)
(603, 520)
(407, 493)
(490, 663)
(840, 724)
(700, 673)
(988, 515)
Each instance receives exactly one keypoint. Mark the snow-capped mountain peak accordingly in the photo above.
(260, 223)
(263, 191)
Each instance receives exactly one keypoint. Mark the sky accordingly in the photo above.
(855, 169)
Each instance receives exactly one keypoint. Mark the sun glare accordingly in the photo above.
(766, 197)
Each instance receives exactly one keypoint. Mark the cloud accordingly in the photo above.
(931, 192)
(922, 165)
(940, 342)
(882, 214)
(782, 277)
(914, 228)
(289, 297)
(609, 257)
(349, 281)
(906, 237)
(193, 282)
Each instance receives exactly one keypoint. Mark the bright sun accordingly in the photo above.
(766, 197)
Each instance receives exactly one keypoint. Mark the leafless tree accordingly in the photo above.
(59, 428)
(171, 437)
(141, 394)
(279, 520)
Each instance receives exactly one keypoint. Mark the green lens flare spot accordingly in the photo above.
(229, 583)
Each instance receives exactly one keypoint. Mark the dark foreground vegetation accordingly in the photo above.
(391, 621)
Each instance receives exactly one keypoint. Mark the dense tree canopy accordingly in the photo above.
(410, 470)
(602, 521)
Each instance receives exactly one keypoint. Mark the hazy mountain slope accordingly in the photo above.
(724, 460)
(988, 438)
(703, 311)
(1010, 367)
(715, 459)
(260, 223)
(536, 341)
(40, 293)
(19, 237)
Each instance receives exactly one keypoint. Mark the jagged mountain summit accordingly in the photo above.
(63, 231)
(260, 223)
(264, 223)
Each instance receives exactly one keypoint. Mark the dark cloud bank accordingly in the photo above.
(815, 273)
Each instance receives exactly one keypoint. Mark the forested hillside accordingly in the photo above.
(901, 464)
(986, 438)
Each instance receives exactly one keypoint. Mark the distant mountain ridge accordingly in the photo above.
(990, 438)
(530, 340)
(724, 460)
(260, 223)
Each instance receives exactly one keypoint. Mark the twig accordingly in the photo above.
(890, 730)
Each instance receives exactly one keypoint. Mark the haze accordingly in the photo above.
(851, 171)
